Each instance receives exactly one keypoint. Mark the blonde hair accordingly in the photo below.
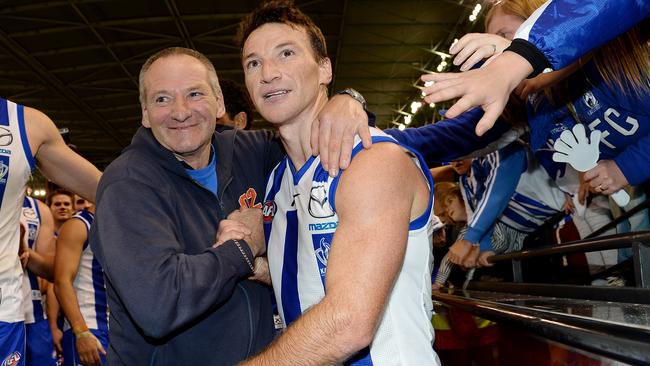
(624, 62)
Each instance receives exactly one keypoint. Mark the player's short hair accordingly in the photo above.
(285, 12)
(57, 192)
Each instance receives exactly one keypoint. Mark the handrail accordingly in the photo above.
(626, 215)
(618, 341)
(577, 292)
(588, 245)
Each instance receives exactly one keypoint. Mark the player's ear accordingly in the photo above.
(325, 71)
(240, 120)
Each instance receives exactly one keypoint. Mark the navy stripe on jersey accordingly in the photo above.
(99, 287)
(4, 175)
(362, 358)
(38, 210)
(100, 295)
(514, 216)
(4, 113)
(529, 201)
(23, 136)
(268, 210)
(290, 298)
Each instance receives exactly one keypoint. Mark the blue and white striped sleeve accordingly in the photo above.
(561, 31)
(506, 166)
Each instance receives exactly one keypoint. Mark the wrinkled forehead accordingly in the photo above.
(176, 71)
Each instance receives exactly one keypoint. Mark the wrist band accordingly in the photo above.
(243, 253)
(534, 56)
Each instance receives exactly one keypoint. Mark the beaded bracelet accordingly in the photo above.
(244, 255)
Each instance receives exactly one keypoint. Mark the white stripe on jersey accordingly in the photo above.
(89, 284)
(300, 221)
(16, 164)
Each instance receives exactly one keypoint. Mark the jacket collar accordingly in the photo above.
(223, 144)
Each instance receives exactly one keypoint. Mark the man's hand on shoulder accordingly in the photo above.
(332, 134)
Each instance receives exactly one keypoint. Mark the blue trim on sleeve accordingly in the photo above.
(420, 221)
(362, 358)
(23, 137)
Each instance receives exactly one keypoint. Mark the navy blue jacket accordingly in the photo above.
(173, 298)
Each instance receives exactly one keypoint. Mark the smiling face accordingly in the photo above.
(282, 75)
(61, 207)
(181, 107)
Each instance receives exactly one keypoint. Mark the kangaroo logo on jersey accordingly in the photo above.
(319, 206)
(590, 100)
(248, 199)
(4, 170)
(323, 251)
(268, 211)
(322, 245)
(6, 138)
(12, 359)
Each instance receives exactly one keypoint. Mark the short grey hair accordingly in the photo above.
(174, 51)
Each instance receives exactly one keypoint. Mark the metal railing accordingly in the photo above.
(639, 242)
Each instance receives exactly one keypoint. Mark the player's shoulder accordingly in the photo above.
(39, 127)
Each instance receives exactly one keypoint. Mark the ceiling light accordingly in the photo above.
(415, 106)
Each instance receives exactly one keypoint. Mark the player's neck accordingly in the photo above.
(296, 134)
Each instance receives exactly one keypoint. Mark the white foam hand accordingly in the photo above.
(575, 149)
(581, 153)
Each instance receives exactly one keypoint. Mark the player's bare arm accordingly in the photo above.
(366, 254)
(69, 249)
(55, 159)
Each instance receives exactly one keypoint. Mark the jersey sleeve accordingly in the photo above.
(454, 138)
(564, 30)
(505, 168)
(634, 161)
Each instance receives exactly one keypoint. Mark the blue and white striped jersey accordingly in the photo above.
(16, 165)
(89, 283)
(509, 186)
(300, 222)
(33, 300)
